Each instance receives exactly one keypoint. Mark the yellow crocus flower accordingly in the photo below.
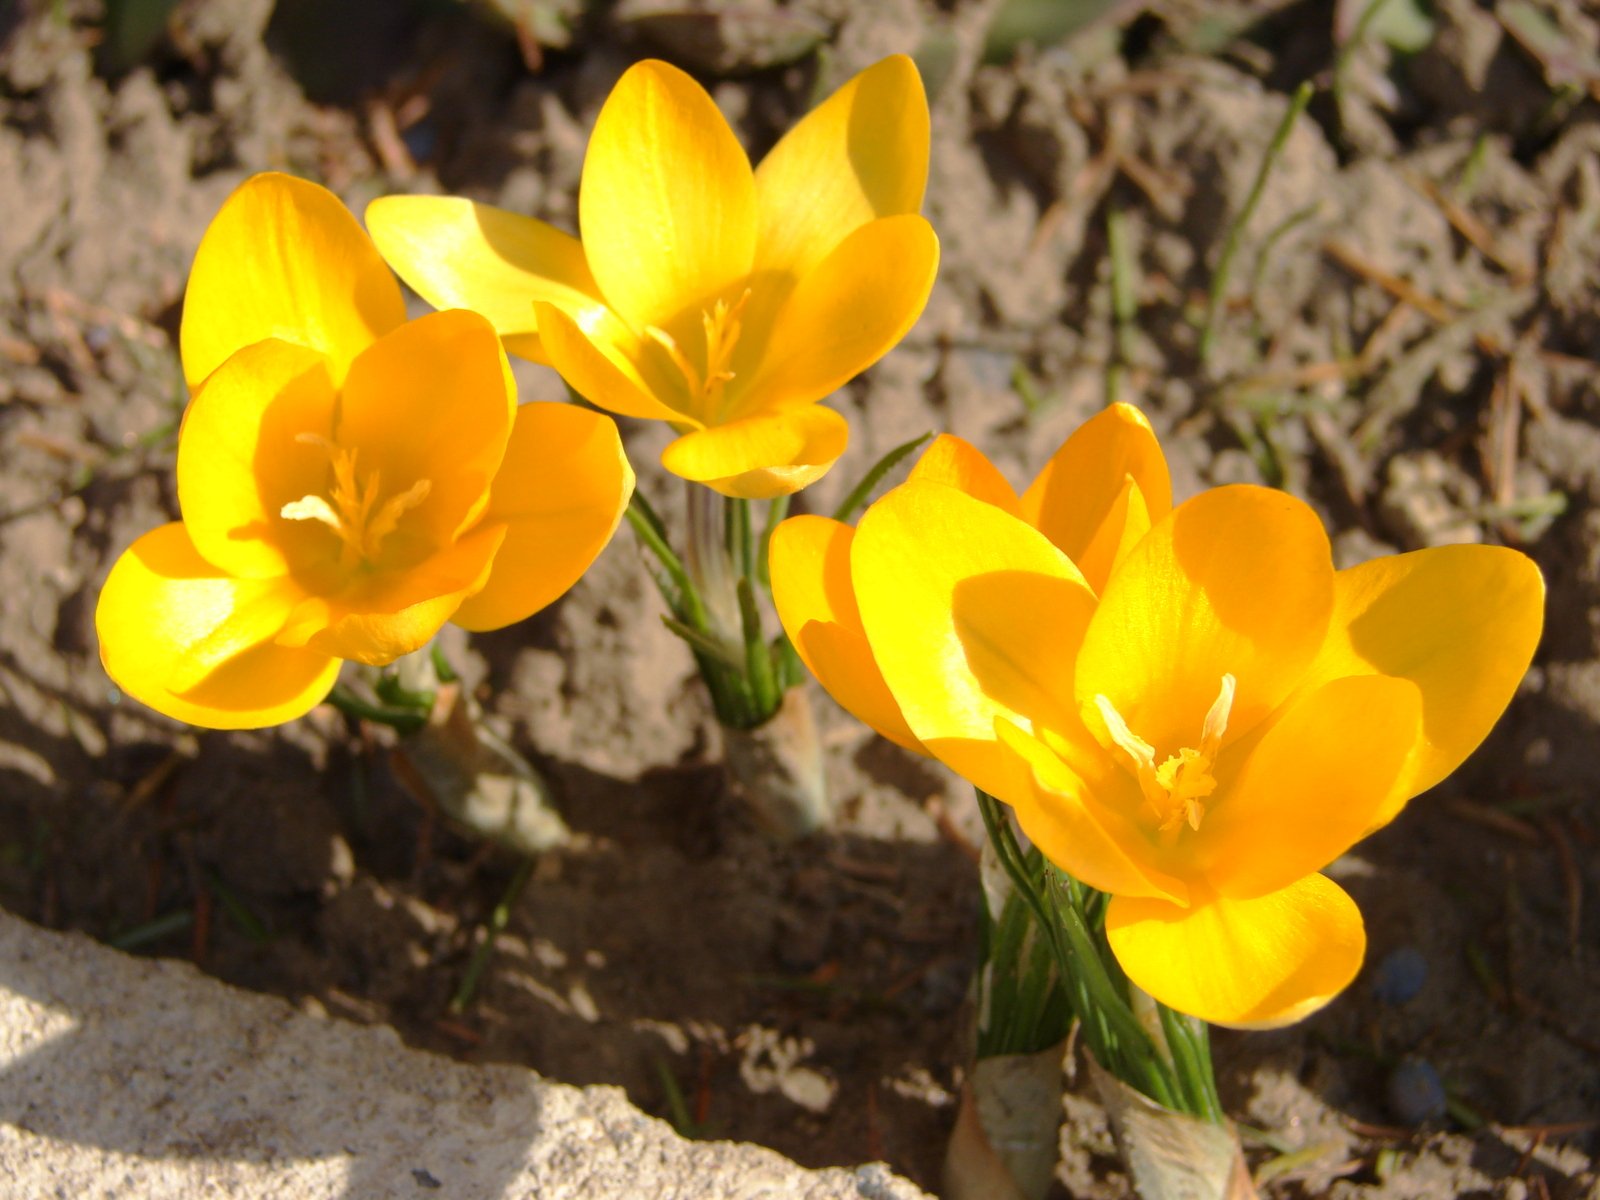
(1094, 499)
(349, 481)
(722, 300)
(1199, 736)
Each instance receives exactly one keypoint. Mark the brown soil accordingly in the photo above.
(1409, 342)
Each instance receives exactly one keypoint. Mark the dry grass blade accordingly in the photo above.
(1357, 263)
(1495, 819)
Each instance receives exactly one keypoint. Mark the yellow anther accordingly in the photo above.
(679, 359)
(1187, 778)
(1174, 792)
(351, 508)
(721, 324)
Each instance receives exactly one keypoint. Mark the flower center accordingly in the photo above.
(722, 326)
(351, 508)
(1175, 791)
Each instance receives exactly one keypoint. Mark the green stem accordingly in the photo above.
(1230, 247)
(846, 511)
(492, 929)
(648, 528)
(441, 665)
(1341, 66)
(1177, 1075)
(758, 670)
(704, 644)
(152, 931)
(1113, 1032)
(777, 510)
(709, 561)
(742, 546)
(1190, 1045)
(721, 669)
(401, 720)
(998, 826)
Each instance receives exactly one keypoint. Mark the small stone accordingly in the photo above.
(1415, 1092)
(1399, 976)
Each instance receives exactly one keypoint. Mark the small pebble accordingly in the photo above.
(1399, 976)
(1415, 1092)
(422, 140)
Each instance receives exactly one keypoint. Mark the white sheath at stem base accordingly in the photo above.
(1172, 1155)
(466, 771)
(1007, 1138)
(777, 769)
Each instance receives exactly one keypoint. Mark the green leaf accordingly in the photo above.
(852, 503)
(704, 643)
(1040, 23)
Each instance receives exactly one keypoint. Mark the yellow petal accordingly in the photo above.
(761, 457)
(1251, 964)
(956, 463)
(1126, 522)
(1082, 499)
(560, 492)
(809, 558)
(240, 460)
(285, 259)
(434, 400)
(381, 615)
(599, 369)
(667, 205)
(840, 319)
(971, 615)
(1461, 622)
(860, 155)
(166, 617)
(1310, 787)
(1080, 825)
(1238, 580)
(456, 253)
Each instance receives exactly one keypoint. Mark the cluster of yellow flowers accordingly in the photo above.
(1188, 708)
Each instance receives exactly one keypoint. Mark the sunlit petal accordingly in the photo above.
(1461, 622)
(1081, 825)
(1238, 580)
(841, 317)
(241, 459)
(1310, 787)
(285, 259)
(761, 457)
(667, 206)
(1082, 500)
(560, 492)
(956, 463)
(381, 615)
(1255, 963)
(860, 155)
(456, 253)
(434, 401)
(169, 623)
(599, 371)
(971, 615)
(809, 559)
